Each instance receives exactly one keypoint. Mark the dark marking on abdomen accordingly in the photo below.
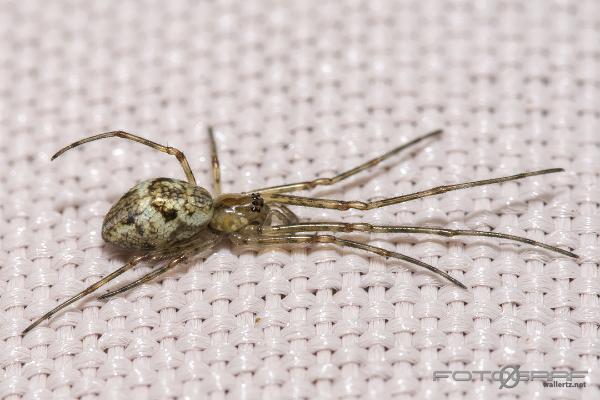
(168, 214)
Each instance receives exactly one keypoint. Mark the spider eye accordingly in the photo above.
(256, 202)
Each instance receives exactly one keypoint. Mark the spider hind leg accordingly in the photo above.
(146, 278)
(90, 289)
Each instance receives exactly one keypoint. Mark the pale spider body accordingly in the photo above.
(170, 220)
(157, 213)
(161, 212)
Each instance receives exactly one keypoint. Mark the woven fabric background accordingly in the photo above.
(297, 90)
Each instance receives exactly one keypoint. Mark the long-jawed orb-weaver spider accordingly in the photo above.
(169, 219)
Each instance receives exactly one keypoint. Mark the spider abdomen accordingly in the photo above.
(156, 213)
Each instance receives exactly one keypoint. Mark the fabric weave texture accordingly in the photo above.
(297, 90)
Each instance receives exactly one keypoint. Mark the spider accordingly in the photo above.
(169, 219)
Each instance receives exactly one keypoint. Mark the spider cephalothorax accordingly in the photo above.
(234, 211)
(172, 219)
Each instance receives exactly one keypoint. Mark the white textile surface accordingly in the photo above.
(296, 90)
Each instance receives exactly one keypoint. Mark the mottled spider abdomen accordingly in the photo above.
(156, 213)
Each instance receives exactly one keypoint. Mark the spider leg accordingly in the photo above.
(291, 217)
(292, 187)
(241, 239)
(146, 278)
(280, 211)
(177, 253)
(216, 169)
(359, 205)
(165, 149)
(365, 227)
(132, 262)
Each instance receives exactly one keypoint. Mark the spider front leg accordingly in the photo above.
(250, 237)
(365, 227)
(292, 187)
(343, 205)
(129, 136)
